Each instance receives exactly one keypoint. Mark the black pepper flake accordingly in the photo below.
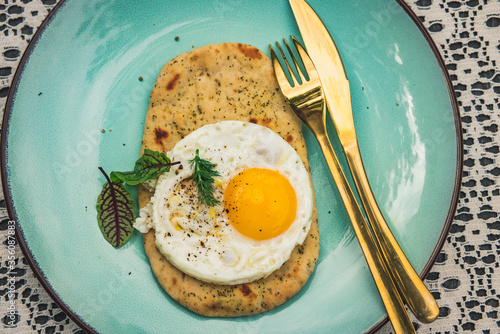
(39, 93)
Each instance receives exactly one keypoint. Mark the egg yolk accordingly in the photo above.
(260, 203)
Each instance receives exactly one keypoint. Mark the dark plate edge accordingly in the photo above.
(4, 173)
(38, 273)
(460, 153)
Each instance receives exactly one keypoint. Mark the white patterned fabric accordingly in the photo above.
(465, 280)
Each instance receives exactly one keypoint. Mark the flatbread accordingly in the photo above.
(229, 81)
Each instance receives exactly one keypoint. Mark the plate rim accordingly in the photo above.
(460, 151)
(18, 230)
(4, 172)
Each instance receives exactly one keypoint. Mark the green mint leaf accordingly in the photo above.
(147, 167)
(115, 212)
(204, 174)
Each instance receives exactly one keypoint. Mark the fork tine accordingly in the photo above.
(306, 60)
(294, 80)
(278, 70)
(302, 78)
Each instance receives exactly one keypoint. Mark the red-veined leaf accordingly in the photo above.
(115, 212)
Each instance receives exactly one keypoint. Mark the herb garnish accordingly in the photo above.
(147, 167)
(204, 174)
(115, 207)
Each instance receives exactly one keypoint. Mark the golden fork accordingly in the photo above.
(307, 101)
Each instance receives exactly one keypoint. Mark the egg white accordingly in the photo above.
(214, 251)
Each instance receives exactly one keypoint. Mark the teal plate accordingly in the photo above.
(81, 74)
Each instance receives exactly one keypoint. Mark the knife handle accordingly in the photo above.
(388, 292)
(414, 292)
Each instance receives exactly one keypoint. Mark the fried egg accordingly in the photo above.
(266, 204)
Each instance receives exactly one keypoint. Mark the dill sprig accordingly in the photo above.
(204, 174)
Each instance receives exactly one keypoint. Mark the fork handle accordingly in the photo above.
(385, 285)
(414, 292)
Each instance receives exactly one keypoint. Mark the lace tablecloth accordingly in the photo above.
(465, 280)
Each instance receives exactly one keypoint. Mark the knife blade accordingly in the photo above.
(326, 57)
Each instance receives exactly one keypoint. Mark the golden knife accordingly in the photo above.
(326, 58)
